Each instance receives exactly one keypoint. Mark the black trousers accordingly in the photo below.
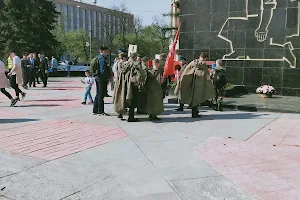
(14, 85)
(25, 76)
(32, 75)
(134, 102)
(44, 77)
(37, 75)
(6, 93)
(101, 88)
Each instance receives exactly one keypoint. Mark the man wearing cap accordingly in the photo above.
(195, 86)
(145, 61)
(130, 82)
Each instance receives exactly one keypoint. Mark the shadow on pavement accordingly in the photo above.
(46, 100)
(37, 105)
(222, 116)
(11, 121)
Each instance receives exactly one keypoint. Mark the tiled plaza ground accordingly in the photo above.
(52, 148)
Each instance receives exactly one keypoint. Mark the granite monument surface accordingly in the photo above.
(257, 39)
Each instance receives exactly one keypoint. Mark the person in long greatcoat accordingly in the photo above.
(130, 82)
(195, 86)
(154, 105)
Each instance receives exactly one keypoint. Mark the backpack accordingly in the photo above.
(95, 66)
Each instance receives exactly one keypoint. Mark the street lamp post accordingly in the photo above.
(91, 39)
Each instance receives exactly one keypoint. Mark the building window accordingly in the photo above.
(95, 24)
(83, 19)
(66, 18)
(100, 25)
(126, 25)
(78, 18)
(105, 27)
(109, 25)
(114, 24)
(72, 18)
(119, 25)
(59, 14)
(89, 20)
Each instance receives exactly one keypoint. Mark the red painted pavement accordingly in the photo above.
(267, 165)
(58, 138)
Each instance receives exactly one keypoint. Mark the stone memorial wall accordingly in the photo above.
(257, 39)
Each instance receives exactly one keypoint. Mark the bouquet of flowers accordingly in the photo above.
(266, 90)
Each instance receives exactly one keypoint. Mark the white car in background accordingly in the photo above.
(74, 68)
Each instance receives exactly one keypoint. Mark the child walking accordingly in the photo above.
(89, 81)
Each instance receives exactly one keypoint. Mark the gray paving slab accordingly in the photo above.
(175, 160)
(210, 188)
(11, 163)
(4, 198)
(156, 160)
(121, 164)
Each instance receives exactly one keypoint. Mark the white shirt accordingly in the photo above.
(89, 81)
(16, 61)
(67, 63)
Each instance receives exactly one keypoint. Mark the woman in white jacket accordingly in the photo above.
(4, 84)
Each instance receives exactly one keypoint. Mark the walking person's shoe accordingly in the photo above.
(180, 109)
(133, 120)
(120, 116)
(83, 103)
(154, 118)
(23, 95)
(104, 114)
(13, 102)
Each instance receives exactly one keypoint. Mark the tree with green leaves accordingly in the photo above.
(150, 40)
(26, 26)
(73, 43)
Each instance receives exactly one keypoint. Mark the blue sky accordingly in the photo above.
(146, 9)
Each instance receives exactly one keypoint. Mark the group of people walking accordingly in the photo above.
(25, 72)
(138, 86)
(33, 67)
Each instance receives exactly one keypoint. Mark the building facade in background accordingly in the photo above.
(175, 12)
(101, 22)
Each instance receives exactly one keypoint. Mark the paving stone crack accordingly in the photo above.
(264, 127)
(203, 177)
(86, 187)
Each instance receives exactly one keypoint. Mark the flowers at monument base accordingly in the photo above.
(266, 89)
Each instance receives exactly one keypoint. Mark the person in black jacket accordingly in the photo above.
(37, 67)
(101, 78)
(44, 69)
(25, 71)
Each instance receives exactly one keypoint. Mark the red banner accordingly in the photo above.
(169, 65)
